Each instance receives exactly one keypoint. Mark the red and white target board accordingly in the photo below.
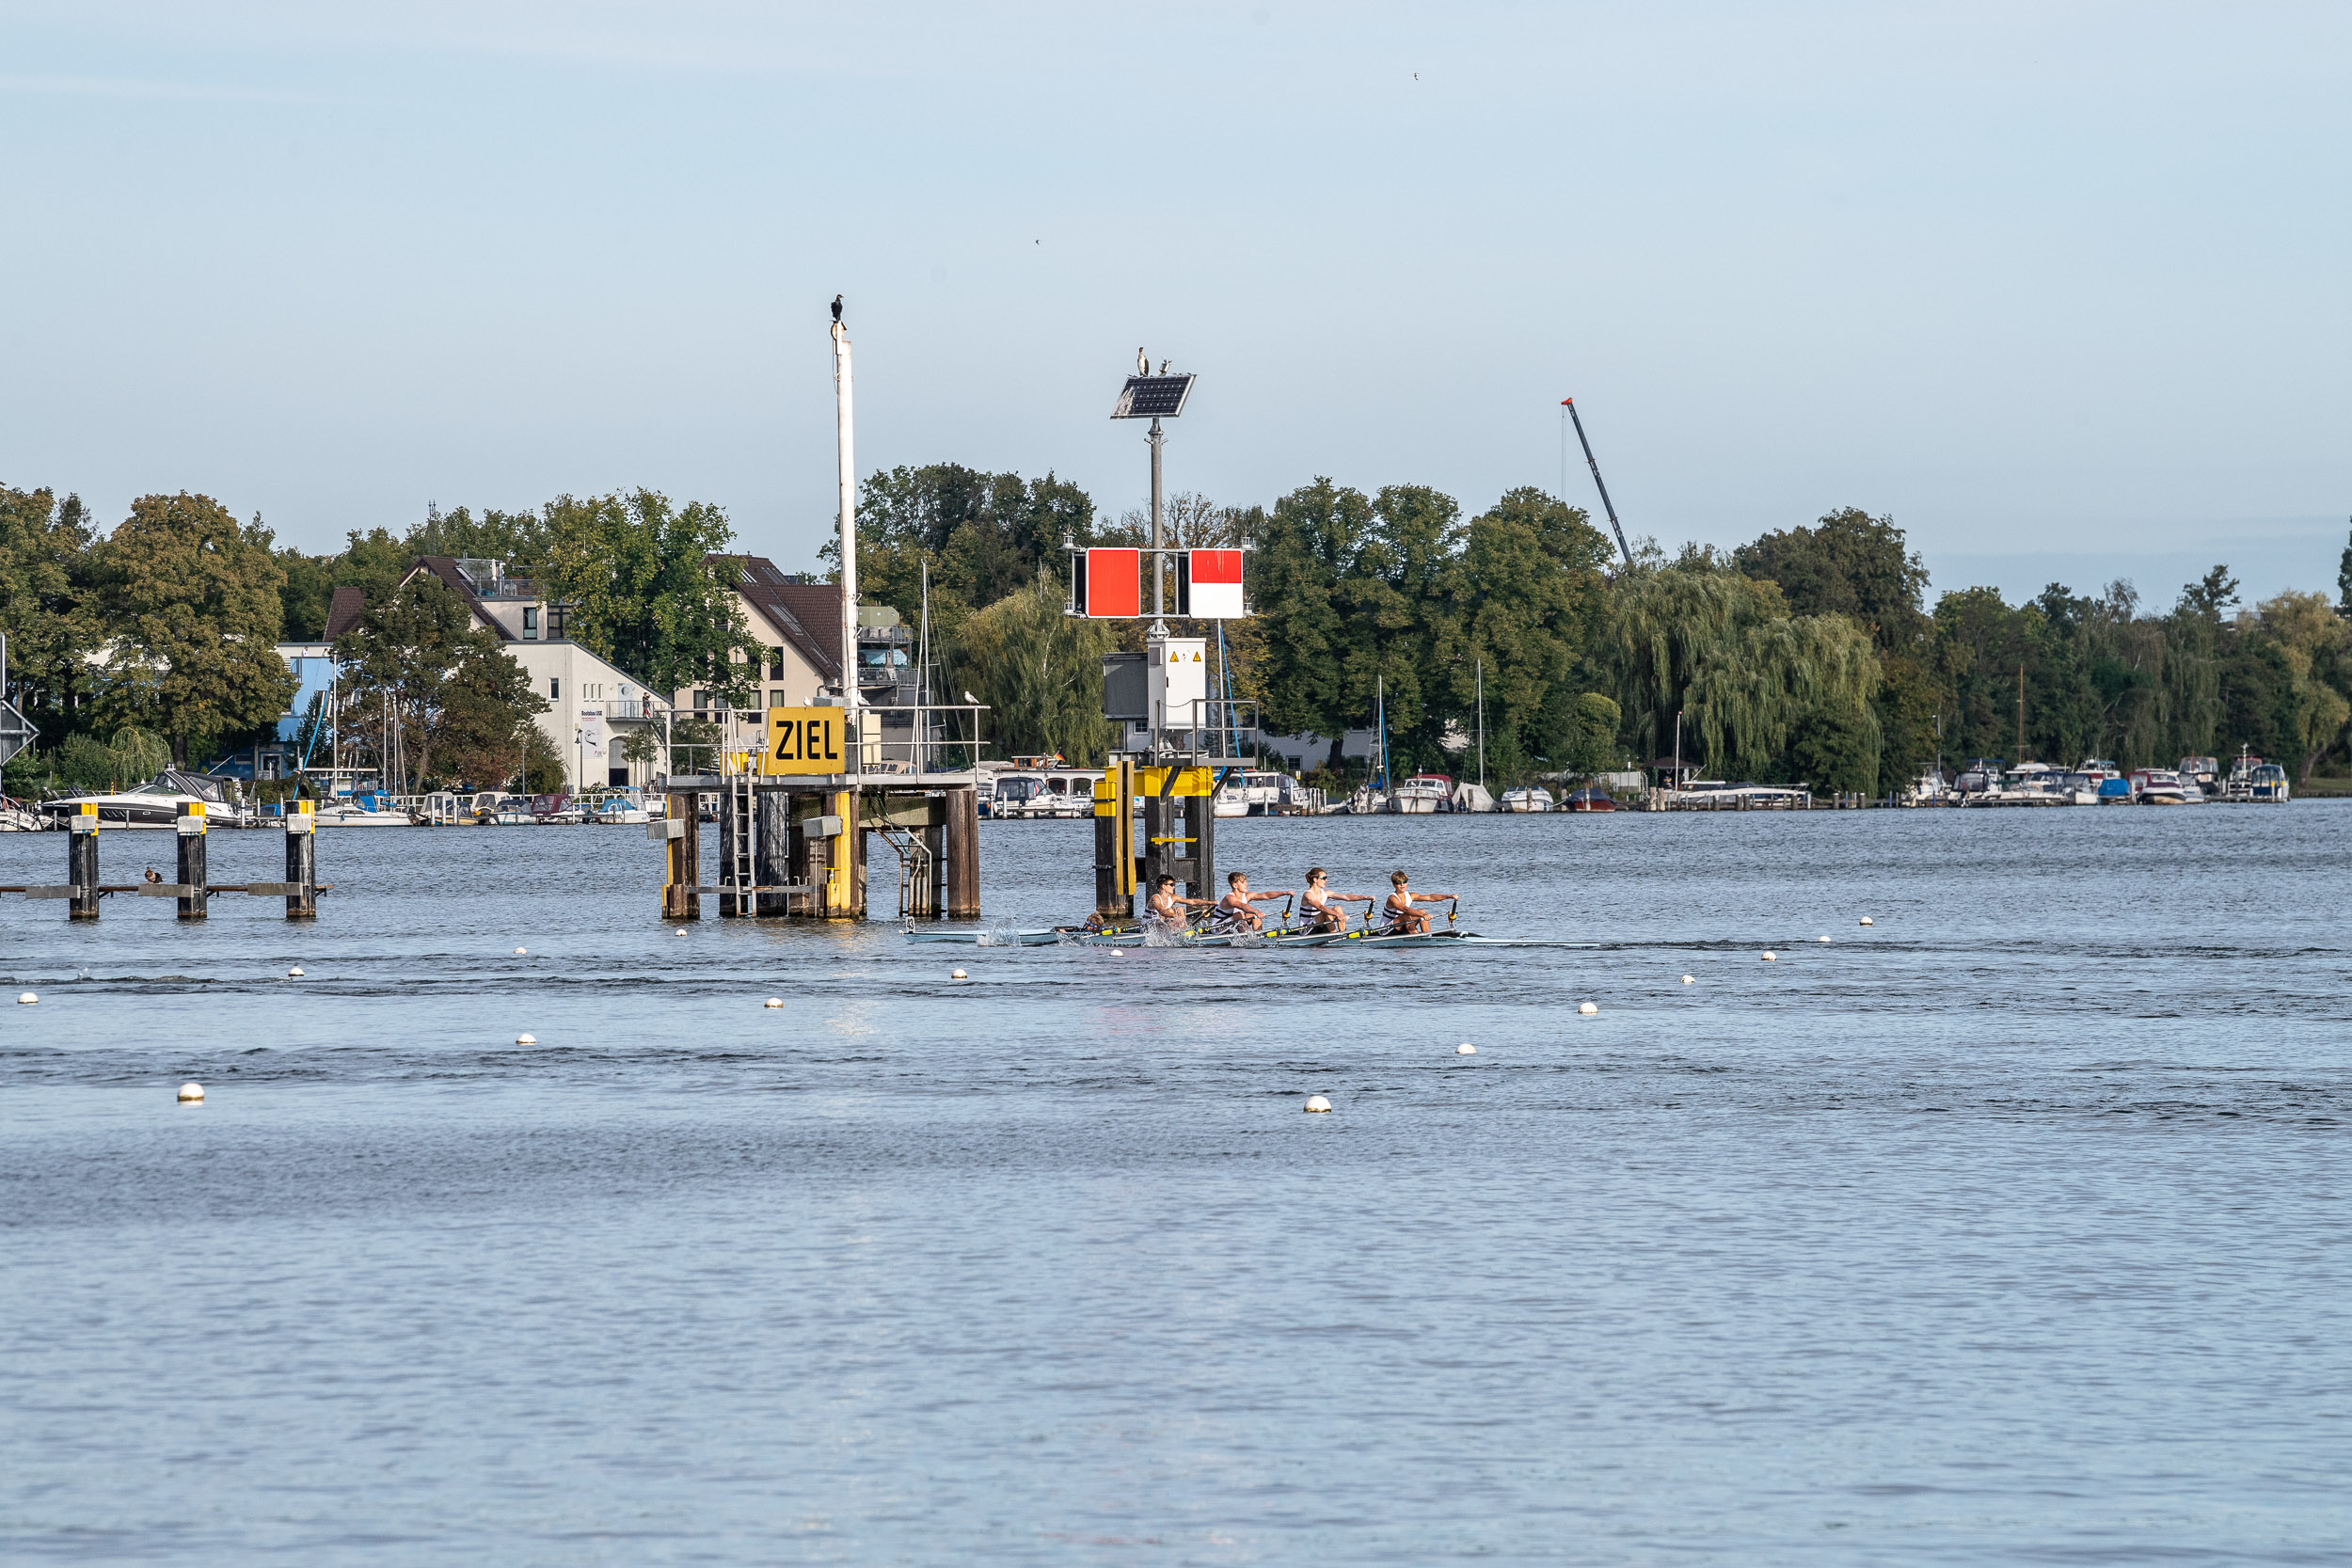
(1208, 585)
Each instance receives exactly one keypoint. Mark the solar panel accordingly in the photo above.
(1153, 397)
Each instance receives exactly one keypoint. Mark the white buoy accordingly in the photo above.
(520, 951)
(1588, 1008)
(294, 974)
(191, 1091)
(681, 930)
(959, 974)
(774, 1002)
(1688, 980)
(525, 1039)
(1865, 920)
(1465, 1049)
(1316, 1102)
(1118, 952)
(1825, 939)
(25, 999)
(1768, 958)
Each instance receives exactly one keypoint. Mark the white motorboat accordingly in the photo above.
(363, 810)
(2160, 786)
(1422, 795)
(18, 818)
(1527, 797)
(1473, 796)
(155, 803)
(2254, 780)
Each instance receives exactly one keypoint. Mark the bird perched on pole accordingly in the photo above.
(836, 307)
(1143, 365)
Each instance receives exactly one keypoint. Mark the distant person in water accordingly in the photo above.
(1234, 909)
(1404, 919)
(1321, 903)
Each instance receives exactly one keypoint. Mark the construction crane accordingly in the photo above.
(1569, 403)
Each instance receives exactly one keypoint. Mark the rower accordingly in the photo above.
(1319, 900)
(1167, 908)
(1404, 919)
(1234, 910)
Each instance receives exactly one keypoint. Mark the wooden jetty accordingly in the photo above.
(192, 890)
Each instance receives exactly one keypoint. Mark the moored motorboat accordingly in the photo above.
(1591, 797)
(1422, 795)
(1527, 797)
(154, 804)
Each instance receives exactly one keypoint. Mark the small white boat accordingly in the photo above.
(1527, 797)
(1422, 795)
(362, 811)
(18, 818)
(1473, 796)
(2160, 786)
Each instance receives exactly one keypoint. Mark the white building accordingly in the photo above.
(592, 706)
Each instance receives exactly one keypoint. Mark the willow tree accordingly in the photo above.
(1666, 624)
(1039, 672)
(1721, 649)
(1747, 701)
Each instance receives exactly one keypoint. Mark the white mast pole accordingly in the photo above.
(852, 736)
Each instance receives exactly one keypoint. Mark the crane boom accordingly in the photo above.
(1569, 403)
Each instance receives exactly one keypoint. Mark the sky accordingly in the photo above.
(2063, 289)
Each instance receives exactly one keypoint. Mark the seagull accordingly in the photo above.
(1143, 366)
(836, 307)
(1163, 366)
(969, 698)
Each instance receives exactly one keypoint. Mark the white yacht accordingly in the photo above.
(1422, 795)
(1527, 797)
(155, 803)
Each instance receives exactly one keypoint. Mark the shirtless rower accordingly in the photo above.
(1404, 919)
(1318, 901)
(1167, 908)
(1235, 910)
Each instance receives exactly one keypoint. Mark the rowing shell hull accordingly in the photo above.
(989, 938)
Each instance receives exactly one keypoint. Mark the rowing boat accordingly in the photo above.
(1034, 938)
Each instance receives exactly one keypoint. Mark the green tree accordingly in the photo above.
(191, 602)
(1315, 660)
(1039, 672)
(1525, 598)
(423, 685)
(1850, 563)
(45, 605)
(634, 570)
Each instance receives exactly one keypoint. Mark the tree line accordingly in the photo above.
(154, 641)
(1809, 654)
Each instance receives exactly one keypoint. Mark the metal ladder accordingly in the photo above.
(742, 870)
(914, 865)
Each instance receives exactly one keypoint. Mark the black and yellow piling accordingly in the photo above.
(80, 864)
(302, 864)
(192, 892)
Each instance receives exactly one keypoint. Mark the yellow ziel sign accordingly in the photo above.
(802, 740)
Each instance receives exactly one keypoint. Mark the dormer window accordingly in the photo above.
(530, 622)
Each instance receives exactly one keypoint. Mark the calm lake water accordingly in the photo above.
(2011, 1228)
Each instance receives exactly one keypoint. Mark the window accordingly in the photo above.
(775, 664)
(556, 688)
(702, 700)
(530, 622)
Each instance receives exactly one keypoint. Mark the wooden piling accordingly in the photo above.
(682, 863)
(962, 837)
(190, 826)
